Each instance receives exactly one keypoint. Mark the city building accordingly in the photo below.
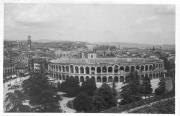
(104, 70)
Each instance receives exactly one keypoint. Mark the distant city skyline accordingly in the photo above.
(142, 24)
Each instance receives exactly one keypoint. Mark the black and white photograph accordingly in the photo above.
(89, 58)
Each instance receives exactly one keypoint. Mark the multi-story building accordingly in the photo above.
(105, 69)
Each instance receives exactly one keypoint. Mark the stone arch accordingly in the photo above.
(127, 68)
(110, 79)
(63, 76)
(77, 78)
(98, 69)
(104, 69)
(115, 69)
(121, 78)
(121, 68)
(81, 79)
(87, 77)
(104, 79)
(92, 68)
(71, 69)
(98, 79)
(60, 78)
(71, 77)
(63, 67)
(150, 67)
(137, 67)
(76, 69)
(116, 79)
(157, 75)
(154, 75)
(87, 70)
(142, 68)
(146, 67)
(110, 69)
(67, 68)
(92, 77)
(81, 69)
(132, 68)
(59, 67)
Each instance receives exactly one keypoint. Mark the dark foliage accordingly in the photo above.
(71, 87)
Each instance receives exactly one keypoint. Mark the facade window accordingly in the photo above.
(98, 79)
(104, 79)
(137, 67)
(142, 68)
(82, 69)
(115, 79)
(71, 69)
(116, 69)
(127, 69)
(146, 68)
(77, 69)
(87, 70)
(98, 69)
(121, 79)
(110, 69)
(110, 79)
(104, 69)
(81, 79)
(67, 68)
(122, 68)
(87, 77)
(132, 68)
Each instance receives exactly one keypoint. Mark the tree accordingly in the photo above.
(130, 91)
(98, 103)
(83, 103)
(89, 87)
(161, 89)
(106, 92)
(71, 87)
(146, 86)
(41, 93)
(14, 102)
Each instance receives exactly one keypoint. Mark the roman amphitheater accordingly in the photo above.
(105, 70)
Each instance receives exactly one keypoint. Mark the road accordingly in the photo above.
(63, 103)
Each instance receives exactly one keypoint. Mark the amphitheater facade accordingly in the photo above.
(104, 70)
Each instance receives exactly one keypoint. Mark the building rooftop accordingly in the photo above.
(105, 60)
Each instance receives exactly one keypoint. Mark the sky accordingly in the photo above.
(149, 24)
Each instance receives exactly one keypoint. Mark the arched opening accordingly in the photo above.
(115, 69)
(76, 69)
(146, 75)
(110, 69)
(93, 78)
(115, 79)
(153, 66)
(127, 69)
(104, 79)
(157, 75)
(137, 67)
(142, 68)
(71, 77)
(67, 68)
(121, 68)
(77, 78)
(146, 68)
(98, 79)
(110, 79)
(87, 70)
(93, 68)
(132, 68)
(82, 69)
(121, 78)
(81, 79)
(71, 68)
(60, 77)
(87, 77)
(63, 68)
(59, 68)
(104, 69)
(150, 67)
(63, 76)
(98, 69)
